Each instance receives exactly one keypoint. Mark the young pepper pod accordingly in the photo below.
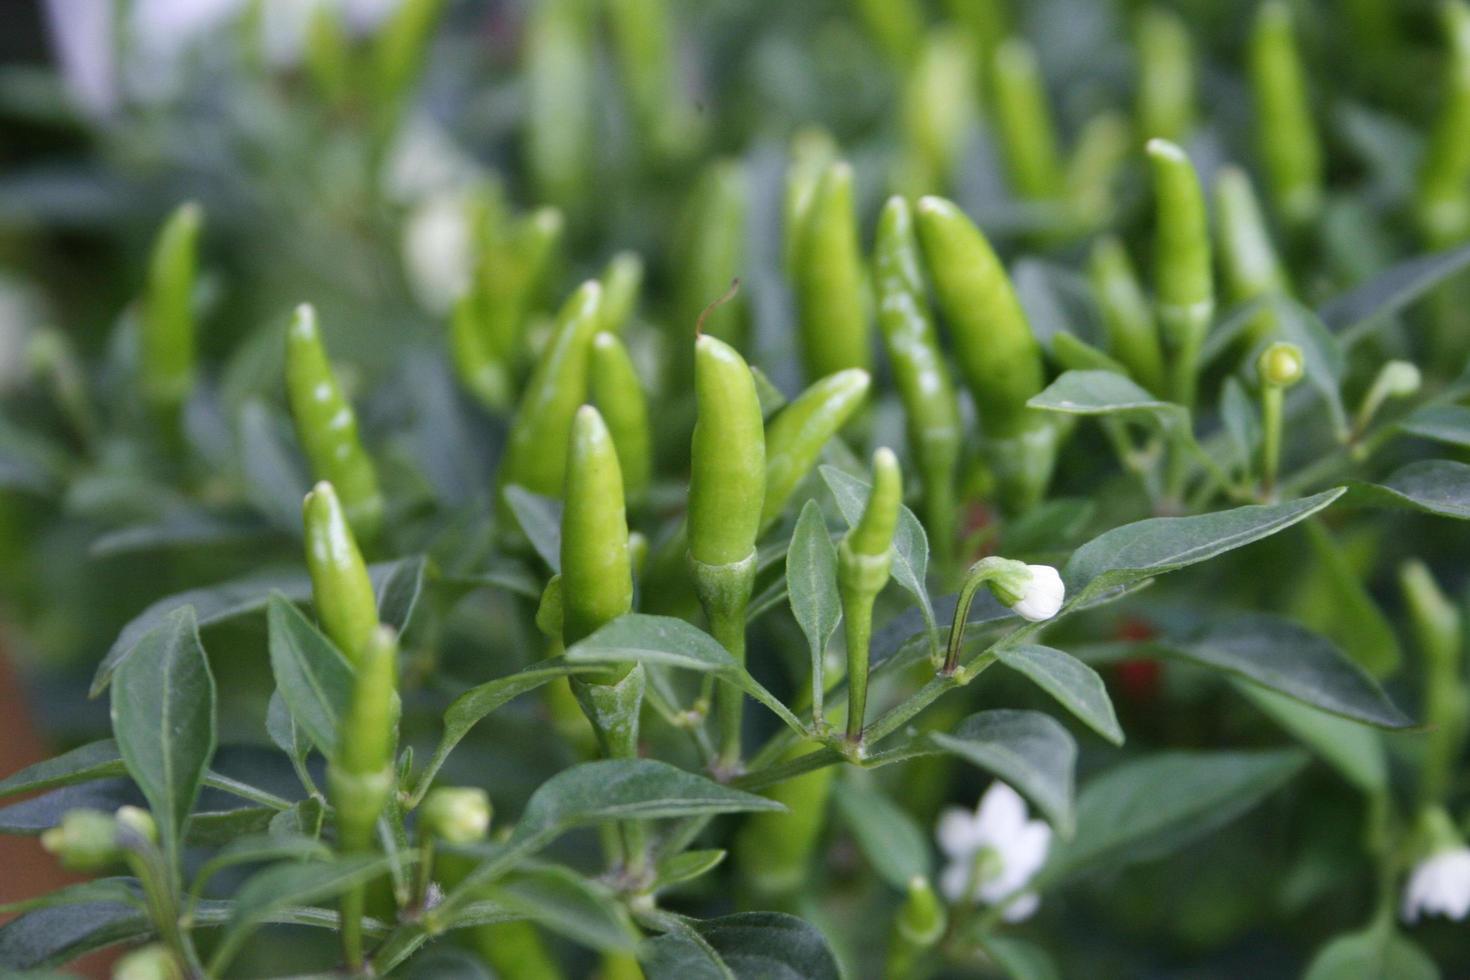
(1248, 259)
(644, 42)
(1442, 202)
(895, 25)
(556, 389)
(508, 273)
(812, 151)
(938, 107)
(1028, 133)
(797, 434)
(864, 561)
(327, 426)
(1285, 133)
(831, 295)
(596, 576)
(621, 281)
(997, 352)
(712, 247)
(1183, 278)
(920, 923)
(167, 338)
(1166, 75)
(559, 90)
(1439, 634)
(774, 849)
(618, 394)
(1128, 320)
(727, 487)
(919, 371)
(341, 590)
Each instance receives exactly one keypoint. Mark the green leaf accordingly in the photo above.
(122, 891)
(1027, 749)
(1147, 808)
(1449, 424)
(1241, 423)
(163, 717)
(1354, 750)
(215, 828)
(910, 545)
(540, 519)
(686, 866)
(399, 586)
(1075, 685)
(1392, 290)
(811, 584)
(313, 678)
(1019, 959)
(563, 902)
(1343, 609)
(1431, 486)
(48, 937)
(96, 760)
(1158, 545)
(1377, 953)
(1102, 393)
(887, 835)
(765, 945)
(187, 529)
(1278, 654)
(668, 642)
(258, 848)
(275, 480)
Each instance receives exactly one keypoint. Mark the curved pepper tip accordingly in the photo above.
(1164, 150)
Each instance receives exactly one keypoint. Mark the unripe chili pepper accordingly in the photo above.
(398, 50)
(643, 39)
(726, 491)
(618, 394)
(556, 389)
(920, 923)
(1028, 134)
(596, 577)
(812, 151)
(1248, 259)
(508, 273)
(938, 106)
(919, 370)
(1166, 75)
(167, 339)
(1103, 150)
(341, 590)
(712, 246)
(1183, 279)
(327, 426)
(774, 849)
(483, 373)
(1285, 133)
(831, 294)
(1438, 631)
(621, 282)
(895, 26)
(987, 22)
(560, 88)
(797, 434)
(1128, 320)
(1442, 204)
(864, 560)
(328, 56)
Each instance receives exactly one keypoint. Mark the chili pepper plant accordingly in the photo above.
(442, 447)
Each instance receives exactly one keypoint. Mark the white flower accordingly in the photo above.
(1042, 594)
(1439, 885)
(994, 852)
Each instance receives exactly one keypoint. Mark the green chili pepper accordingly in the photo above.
(618, 394)
(596, 577)
(1438, 630)
(864, 560)
(920, 923)
(643, 38)
(774, 849)
(1248, 259)
(168, 310)
(483, 373)
(1442, 204)
(812, 151)
(510, 948)
(998, 354)
(919, 370)
(831, 294)
(938, 106)
(1028, 134)
(556, 389)
(1103, 150)
(560, 88)
(797, 434)
(1285, 132)
(895, 25)
(1166, 75)
(1183, 278)
(726, 490)
(1128, 320)
(987, 22)
(327, 426)
(712, 246)
(341, 589)
(398, 51)
(621, 282)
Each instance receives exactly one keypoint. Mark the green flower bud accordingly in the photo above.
(341, 590)
(619, 395)
(138, 822)
(85, 840)
(456, 814)
(922, 919)
(167, 339)
(1401, 379)
(831, 301)
(1281, 365)
(1183, 278)
(327, 426)
(1285, 132)
(152, 962)
(596, 577)
(727, 484)
(797, 434)
(1166, 75)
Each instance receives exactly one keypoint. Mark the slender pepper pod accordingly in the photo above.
(596, 577)
(895, 25)
(167, 341)
(774, 849)
(831, 294)
(399, 48)
(618, 395)
(712, 246)
(1248, 259)
(1028, 133)
(812, 151)
(1128, 320)
(1183, 279)
(797, 434)
(728, 456)
(511, 265)
(328, 55)
(556, 389)
(1103, 151)
(987, 22)
(559, 88)
(1285, 133)
(341, 589)
(919, 924)
(644, 42)
(1166, 75)
(919, 370)
(327, 426)
(1442, 203)
(621, 282)
(938, 106)
(483, 373)
(864, 561)
(1438, 631)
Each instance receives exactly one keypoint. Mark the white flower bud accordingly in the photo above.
(1400, 379)
(1042, 595)
(457, 815)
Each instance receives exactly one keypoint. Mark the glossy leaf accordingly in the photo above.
(1101, 393)
(1027, 749)
(313, 678)
(770, 945)
(52, 936)
(563, 902)
(891, 840)
(95, 760)
(122, 891)
(811, 583)
(1433, 486)
(1076, 686)
(686, 866)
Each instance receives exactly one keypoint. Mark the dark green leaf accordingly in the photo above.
(121, 891)
(1449, 424)
(399, 586)
(258, 848)
(1431, 486)
(48, 937)
(1102, 393)
(96, 760)
(686, 866)
(540, 519)
(1378, 953)
(563, 902)
(1019, 959)
(1074, 684)
(764, 945)
(214, 828)
(1393, 290)
(1352, 749)
(887, 835)
(811, 583)
(314, 679)
(1027, 749)
(185, 530)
